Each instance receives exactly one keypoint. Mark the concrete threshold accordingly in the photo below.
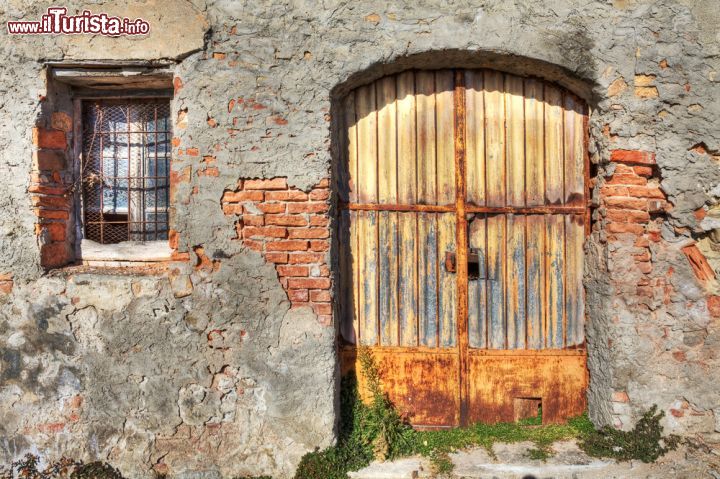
(512, 461)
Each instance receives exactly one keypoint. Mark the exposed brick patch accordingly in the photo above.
(631, 195)
(50, 191)
(291, 228)
(629, 200)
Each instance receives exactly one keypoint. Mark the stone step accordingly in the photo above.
(406, 468)
(512, 461)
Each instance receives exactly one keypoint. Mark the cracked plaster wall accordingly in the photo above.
(118, 367)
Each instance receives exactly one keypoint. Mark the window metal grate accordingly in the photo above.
(125, 170)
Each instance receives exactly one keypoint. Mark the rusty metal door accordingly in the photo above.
(462, 220)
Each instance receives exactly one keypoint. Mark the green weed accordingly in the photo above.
(645, 442)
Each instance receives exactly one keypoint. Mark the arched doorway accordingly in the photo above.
(463, 216)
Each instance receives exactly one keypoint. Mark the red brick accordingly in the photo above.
(253, 220)
(324, 183)
(649, 192)
(628, 216)
(55, 230)
(298, 295)
(319, 194)
(211, 171)
(286, 220)
(264, 231)
(253, 245)
(182, 176)
(309, 283)
(319, 220)
(322, 308)
(173, 239)
(192, 152)
(633, 156)
(232, 209)
(238, 196)
(645, 268)
(699, 263)
(645, 171)
(272, 184)
(293, 270)
(53, 139)
(308, 208)
(623, 169)
(290, 245)
(642, 242)
(51, 214)
(614, 191)
(47, 190)
(272, 207)
(60, 120)
(320, 296)
(277, 258)
(620, 396)
(306, 258)
(57, 202)
(643, 256)
(53, 255)
(713, 305)
(291, 195)
(49, 160)
(51, 427)
(626, 203)
(625, 228)
(319, 245)
(621, 179)
(308, 233)
(6, 286)
(175, 256)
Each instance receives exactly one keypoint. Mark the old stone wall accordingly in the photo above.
(222, 361)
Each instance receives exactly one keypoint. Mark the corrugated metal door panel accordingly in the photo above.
(521, 144)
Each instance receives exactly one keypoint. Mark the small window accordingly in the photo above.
(125, 170)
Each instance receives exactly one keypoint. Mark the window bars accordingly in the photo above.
(125, 170)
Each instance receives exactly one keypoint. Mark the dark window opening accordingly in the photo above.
(125, 170)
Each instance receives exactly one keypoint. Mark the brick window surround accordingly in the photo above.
(57, 147)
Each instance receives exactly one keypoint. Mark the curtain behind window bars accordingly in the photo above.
(125, 170)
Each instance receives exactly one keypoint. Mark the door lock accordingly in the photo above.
(473, 263)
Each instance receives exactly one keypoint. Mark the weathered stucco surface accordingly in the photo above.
(208, 370)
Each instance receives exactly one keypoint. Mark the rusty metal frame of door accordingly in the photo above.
(462, 208)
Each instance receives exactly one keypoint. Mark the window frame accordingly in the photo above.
(116, 253)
